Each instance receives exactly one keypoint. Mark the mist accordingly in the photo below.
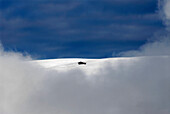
(128, 85)
(135, 85)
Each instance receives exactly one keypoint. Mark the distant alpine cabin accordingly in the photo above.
(81, 63)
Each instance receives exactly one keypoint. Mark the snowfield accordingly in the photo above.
(92, 65)
(72, 63)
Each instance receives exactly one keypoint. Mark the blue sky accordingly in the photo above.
(77, 28)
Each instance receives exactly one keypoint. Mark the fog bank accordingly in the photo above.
(121, 86)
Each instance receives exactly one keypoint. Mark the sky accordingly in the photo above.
(77, 28)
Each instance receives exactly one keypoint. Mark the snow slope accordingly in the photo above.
(92, 65)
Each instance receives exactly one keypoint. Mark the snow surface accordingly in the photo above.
(92, 65)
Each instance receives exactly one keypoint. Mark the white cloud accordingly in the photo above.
(129, 85)
(167, 9)
(161, 46)
(164, 11)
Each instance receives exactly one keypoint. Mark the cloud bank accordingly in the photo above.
(130, 85)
